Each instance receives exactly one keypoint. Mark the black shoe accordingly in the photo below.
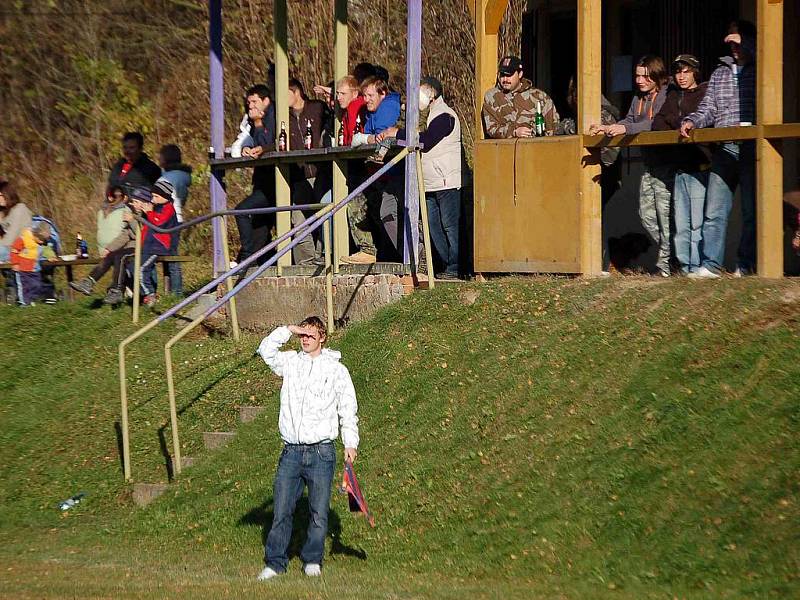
(50, 300)
(445, 276)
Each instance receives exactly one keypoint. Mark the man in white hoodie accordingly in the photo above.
(317, 397)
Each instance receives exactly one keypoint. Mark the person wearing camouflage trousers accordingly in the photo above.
(509, 108)
(655, 189)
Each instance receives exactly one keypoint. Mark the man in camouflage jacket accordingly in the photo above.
(510, 106)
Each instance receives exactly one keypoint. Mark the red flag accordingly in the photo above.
(356, 499)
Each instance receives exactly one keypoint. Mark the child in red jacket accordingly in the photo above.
(159, 212)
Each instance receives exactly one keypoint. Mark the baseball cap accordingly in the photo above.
(686, 59)
(509, 65)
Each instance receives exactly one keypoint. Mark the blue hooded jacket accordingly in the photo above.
(386, 116)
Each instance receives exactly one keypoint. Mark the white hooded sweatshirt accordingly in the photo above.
(314, 393)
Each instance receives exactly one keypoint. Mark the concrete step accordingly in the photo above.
(217, 439)
(204, 302)
(187, 461)
(145, 493)
(249, 413)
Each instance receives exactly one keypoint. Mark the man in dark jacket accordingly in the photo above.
(257, 136)
(690, 163)
(309, 181)
(134, 169)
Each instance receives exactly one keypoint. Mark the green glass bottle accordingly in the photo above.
(538, 121)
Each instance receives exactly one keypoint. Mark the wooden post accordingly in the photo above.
(488, 16)
(341, 230)
(769, 153)
(589, 94)
(281, 93)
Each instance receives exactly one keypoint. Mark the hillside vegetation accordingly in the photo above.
(527, 438)
(77, 74)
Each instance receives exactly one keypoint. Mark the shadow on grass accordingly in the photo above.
(261, 516)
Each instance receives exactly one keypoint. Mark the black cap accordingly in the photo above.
(432, 83)
(686, 59)
(509, 65)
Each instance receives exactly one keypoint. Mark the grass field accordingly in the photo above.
(527, 438)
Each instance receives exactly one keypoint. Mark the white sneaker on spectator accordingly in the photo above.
(267, 573)
(703, 273)
(741, 272)
(312, 570)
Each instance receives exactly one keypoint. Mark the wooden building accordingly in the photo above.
(537, 201)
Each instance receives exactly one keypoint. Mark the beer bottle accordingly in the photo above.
(340, 137)
(358, 128)
(282, 138)
(538, 120)
(307, 141)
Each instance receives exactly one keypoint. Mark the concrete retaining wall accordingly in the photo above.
(271, 301)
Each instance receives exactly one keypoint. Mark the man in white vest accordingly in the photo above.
(441, 168)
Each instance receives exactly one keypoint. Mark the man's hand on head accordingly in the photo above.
(297, 330)
(733, 38)
(350, 454)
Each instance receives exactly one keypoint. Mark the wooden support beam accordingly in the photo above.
(485, 62)
(493, 15)
(281, 99)
(769, 153)
(589, 100)
(341, 231)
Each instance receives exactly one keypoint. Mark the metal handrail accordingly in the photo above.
(304, 229)
(137, 259)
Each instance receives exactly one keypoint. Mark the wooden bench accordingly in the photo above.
(69, 266)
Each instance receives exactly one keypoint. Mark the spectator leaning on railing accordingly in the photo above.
(180, 176)
(690, 162)
(384, 197)
(730, 101)
(256, 136)
(441, 169)
(655, 189)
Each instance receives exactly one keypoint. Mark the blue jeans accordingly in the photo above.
(689, 199)
(301, 465)
(731, 165)
(444, 215)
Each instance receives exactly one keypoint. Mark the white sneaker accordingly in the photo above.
(312, 570)
(703, 273)
(740, 272)
(267, 573)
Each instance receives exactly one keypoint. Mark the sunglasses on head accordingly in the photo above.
(306, 335)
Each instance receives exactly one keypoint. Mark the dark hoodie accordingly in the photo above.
(679, 103)
(143, 174)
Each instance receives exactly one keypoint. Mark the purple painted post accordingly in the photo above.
(219, 199)
(413, 68)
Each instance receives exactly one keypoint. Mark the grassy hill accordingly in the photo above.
(544, 438)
